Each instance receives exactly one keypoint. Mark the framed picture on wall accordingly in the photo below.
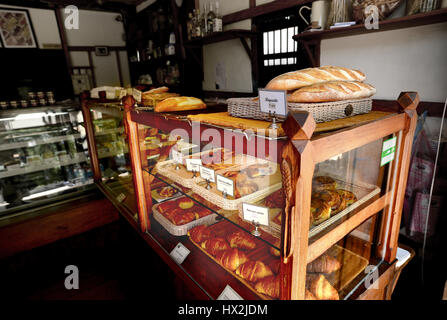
(16, 29)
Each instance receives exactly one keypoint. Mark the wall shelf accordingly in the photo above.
(221, 36)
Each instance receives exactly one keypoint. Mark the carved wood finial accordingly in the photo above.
(128, 102)
(408, 100)
(299, 125)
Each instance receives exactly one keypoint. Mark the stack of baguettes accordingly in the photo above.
(322, 84)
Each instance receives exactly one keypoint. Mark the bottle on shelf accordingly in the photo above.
(203, 24)
(197, 25)
(210, 19)
(189, 26)
(217, 24)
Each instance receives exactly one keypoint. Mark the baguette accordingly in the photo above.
(179, 104)
(306, 77)
(332, 91)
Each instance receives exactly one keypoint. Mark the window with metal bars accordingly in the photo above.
(278, 52)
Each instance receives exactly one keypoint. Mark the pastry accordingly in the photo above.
(323, 182)
(269, 286)
(278, 218)
(179, 104)
(214, 245)
(275, 252)
(232, 258)
(332, 198)
(166, 192)
(200, 212)
(348, 196)
(324, 264)
(332, 91)
(253, 271)
(166, 206)
(241, 240)
(244, 188)
(199, 234)
(185, 203)
(309, 76)
(156, 90)
(259, 170)
(309, 296)
(276, 199)
(183, 218)
(320, 287)
(275, 265)
(320, 211)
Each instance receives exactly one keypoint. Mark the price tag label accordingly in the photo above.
(225, 184)
(193, 164)
(229, 294)
(256, 214)
(388, 151)
(273, 101)
(136, 94)
(207, 174)
(120, 198)
(177, 156)
(179, 253)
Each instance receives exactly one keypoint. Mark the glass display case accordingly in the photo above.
(303, 213)
(43, 156)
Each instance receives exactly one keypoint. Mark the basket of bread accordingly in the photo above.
(328, 93)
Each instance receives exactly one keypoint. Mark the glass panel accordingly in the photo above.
(43, 156)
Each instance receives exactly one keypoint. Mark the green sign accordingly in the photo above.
(388, 151)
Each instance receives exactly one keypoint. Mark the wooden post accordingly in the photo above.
(297, 169)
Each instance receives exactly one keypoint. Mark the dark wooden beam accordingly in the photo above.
(92, 48)
(246, 47)
(118, 63)
(90, 62)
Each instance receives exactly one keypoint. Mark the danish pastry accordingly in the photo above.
(323, 183)
(332, 198)
(348, 196)
(320, 211)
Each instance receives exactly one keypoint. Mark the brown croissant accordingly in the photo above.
(309, 296)
(241, 240)
(232, 258)
(213, 246)
(320, 287)
(325, 264)
(199, 234)
(254, 271)
(269, 286)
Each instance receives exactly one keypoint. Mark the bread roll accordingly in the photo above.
(269, 286)
(254, 271)
(231, 259)
(179, 104)
(241, 240)
(306, 77)
(320, 287)
(332, 91)
(324, 264)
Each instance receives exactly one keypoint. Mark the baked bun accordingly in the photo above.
(232, 258)
(323, 183)
(332, 91)
(320, 287)
(269, 286)
(241, 240)
(253, 271)
(179, 104)
(320, 210)
(324, 264)
(214, 245)
(185, 203)
(309, 76)
(348, 196)
(332, 198)
(199, 234)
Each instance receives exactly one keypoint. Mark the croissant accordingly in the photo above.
(309, 296)
(269, 286)
(320, 287)
(199, 234)
(214, 245)
(325, 264)
(241, 240)
(253, 271)
(232, 258)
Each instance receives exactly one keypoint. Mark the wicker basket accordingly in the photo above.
(321, 112)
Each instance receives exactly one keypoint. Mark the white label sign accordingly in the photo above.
(255, 214)
(179, 253)
(193, 164)
(136, 94)
(225, 185)
(273, 101)
(229, 294)
(177, 156)
(207, 174)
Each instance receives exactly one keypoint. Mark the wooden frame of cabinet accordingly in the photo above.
(299, 156)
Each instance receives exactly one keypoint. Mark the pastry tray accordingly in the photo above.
(183, 229)
(261, 252)
(229, 203)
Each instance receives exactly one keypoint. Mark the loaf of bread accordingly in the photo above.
(179, 104)
(332, 91)
(324, 264)
(199, 234)
(269, 286)
(156, 90)
(306, 77)
(232, 258)
(241, 240)
(254, 271)
(214, 245)
(320, 287)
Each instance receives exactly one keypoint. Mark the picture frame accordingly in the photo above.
(16, 29)
(102, 51)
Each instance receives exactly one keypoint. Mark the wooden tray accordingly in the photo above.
(261, 252)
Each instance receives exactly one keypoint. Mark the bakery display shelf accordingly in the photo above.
(46, 164)
(435, 16)
(38, 141)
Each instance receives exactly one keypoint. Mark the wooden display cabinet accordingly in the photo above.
(357, 236)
